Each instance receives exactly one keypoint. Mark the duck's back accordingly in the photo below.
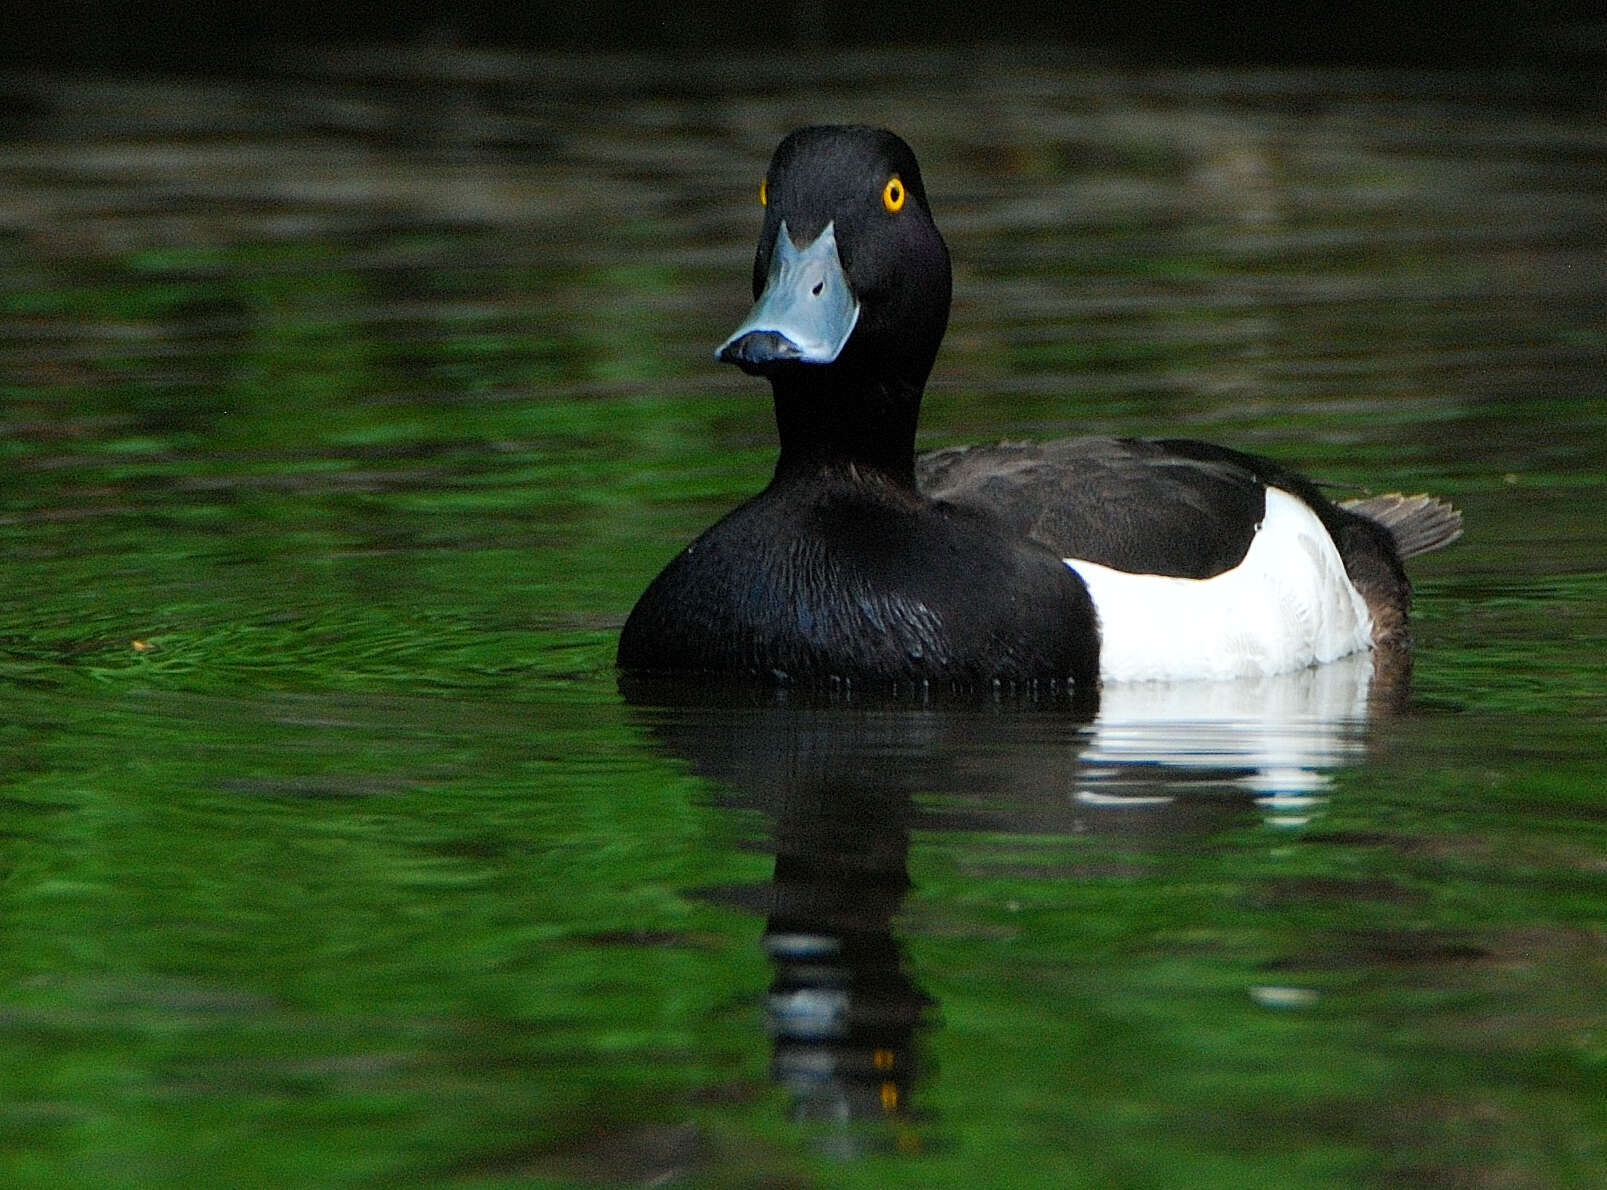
(1203, 561)
(1128, 503)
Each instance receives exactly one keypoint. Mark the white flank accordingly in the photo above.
(1288, 605)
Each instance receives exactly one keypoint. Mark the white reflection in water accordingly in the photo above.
(1275, 737)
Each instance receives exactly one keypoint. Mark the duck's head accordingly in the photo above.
(851, 276)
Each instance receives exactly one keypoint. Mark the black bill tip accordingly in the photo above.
(758, 351)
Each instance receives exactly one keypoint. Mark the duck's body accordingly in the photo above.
(1056, 562)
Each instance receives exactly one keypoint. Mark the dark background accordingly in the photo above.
(1547, 35)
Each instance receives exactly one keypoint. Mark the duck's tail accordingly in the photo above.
(1419, 524)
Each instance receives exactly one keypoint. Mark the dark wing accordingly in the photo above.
(1175, 506)
(1373, 535)
(1147, 507)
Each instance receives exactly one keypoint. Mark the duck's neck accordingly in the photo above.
(826, 417)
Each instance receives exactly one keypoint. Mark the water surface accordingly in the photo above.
(347, 410)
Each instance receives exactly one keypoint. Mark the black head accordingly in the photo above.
(856, 216)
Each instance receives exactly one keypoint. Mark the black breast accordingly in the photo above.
(844, 580)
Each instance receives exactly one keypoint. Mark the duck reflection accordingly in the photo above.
(837, 775)
(845, 778)
(842, 1013)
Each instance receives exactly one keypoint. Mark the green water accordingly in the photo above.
(346, 412)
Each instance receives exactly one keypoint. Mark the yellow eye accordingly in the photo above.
(764, 192)
(893, 194)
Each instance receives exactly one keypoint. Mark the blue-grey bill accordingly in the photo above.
(806, 312)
